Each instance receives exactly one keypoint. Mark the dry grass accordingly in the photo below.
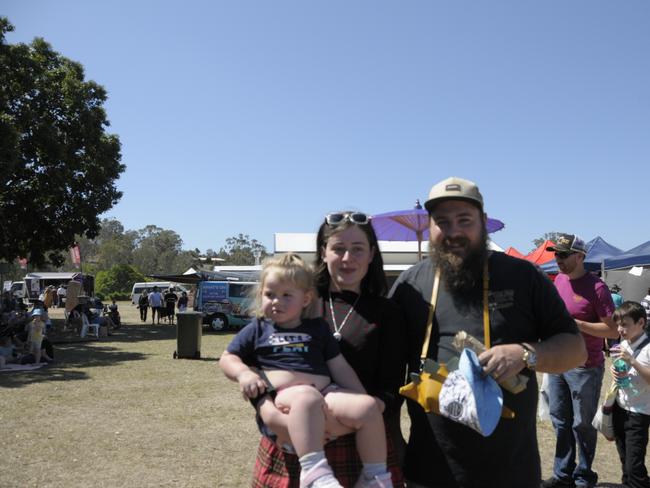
(120, 411)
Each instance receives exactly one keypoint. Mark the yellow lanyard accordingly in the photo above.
(432, 309)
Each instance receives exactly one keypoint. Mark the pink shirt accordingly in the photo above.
(587, 298)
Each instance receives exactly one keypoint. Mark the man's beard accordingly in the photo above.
(461, 275)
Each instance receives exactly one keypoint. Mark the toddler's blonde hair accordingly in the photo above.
(289, 268)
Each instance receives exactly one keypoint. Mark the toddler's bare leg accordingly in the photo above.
(360, 413)
(306, 408)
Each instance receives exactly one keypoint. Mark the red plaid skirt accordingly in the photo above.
(275, 468)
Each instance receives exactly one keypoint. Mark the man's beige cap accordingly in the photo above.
(454, 188)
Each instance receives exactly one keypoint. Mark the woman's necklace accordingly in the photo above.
(337, 328)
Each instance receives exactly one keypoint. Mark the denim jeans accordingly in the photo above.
(573, 401)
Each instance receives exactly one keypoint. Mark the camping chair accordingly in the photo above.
(85, 325)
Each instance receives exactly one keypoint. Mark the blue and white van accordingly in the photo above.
(224, 304)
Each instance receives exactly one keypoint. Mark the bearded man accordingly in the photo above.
(530, 330)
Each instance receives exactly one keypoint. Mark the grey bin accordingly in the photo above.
(189, 329)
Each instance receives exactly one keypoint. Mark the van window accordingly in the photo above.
(241, 291)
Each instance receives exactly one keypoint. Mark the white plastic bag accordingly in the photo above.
(603, 421)
(543, 409)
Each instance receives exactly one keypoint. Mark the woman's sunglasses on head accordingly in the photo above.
(338, 218)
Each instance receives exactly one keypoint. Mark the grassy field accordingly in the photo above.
(121, 412)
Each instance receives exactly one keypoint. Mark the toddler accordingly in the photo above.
(293, 359)
(35, 337)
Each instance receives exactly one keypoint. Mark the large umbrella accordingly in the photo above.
(412, 225)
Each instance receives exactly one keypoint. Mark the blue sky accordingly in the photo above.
(261, 117)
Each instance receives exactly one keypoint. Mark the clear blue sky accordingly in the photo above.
(260, 117)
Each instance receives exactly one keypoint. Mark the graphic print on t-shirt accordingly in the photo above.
(289, 342)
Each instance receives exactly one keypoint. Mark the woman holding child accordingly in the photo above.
(350, 284)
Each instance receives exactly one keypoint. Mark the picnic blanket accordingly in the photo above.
(11, 367)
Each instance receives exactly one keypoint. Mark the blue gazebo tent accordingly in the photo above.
(597, 250)
(637, 256)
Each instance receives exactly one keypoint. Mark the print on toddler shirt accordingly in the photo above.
(290, 342)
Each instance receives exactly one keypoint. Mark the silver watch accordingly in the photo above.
(529, 357)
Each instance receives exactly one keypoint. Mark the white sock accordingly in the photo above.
(308, 461)
(370, 470)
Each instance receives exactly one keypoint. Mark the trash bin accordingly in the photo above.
(189, 329)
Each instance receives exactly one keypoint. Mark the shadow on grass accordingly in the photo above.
(609, 485)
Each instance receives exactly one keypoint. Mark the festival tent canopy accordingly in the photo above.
(597, 250)
(541, 255)
(511, 251)
(637, 256)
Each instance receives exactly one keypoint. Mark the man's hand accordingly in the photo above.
(503, 362)
(251, 384)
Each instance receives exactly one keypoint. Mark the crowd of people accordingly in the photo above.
(162, 304)
(333, 336)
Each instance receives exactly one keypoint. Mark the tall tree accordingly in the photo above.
(59, 166)
(241, 250)
(157, 250)
(549, 236)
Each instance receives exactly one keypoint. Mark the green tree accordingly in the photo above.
(549, 236)
(59, 166)
(118, 280)
(240, 250)
(157, 251)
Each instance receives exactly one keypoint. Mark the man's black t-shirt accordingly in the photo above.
(524, 307)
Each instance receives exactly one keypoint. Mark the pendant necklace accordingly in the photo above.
(337, 328)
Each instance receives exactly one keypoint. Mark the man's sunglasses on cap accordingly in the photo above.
(563, 254)
(338, 218)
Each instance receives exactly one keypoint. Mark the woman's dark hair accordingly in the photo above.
(374, 283)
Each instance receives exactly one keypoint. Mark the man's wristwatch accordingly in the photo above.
(529, 357)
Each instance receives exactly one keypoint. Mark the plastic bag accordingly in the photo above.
(543, 409)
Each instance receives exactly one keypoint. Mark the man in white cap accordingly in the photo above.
(573, 395)
(528, 329)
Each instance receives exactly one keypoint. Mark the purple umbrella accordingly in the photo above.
(412, 225)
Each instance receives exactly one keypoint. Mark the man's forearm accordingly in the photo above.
(598, 329)
(560, 353)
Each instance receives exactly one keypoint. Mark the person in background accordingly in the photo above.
(528, 330)
(574, 394)
(170, 304)
(114, 314)
(645, 303)
(143, 305)
(618, 301)
(631, 411)
(351, 285)
(616, 296)
(156, 304)
(35, 336)
(182, 302)
(61, 293)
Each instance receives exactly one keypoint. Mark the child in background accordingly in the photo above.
(35, 337)
(631, 411)
(298, 358)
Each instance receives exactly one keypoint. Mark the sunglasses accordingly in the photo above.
(339, 218)
(563, 254)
